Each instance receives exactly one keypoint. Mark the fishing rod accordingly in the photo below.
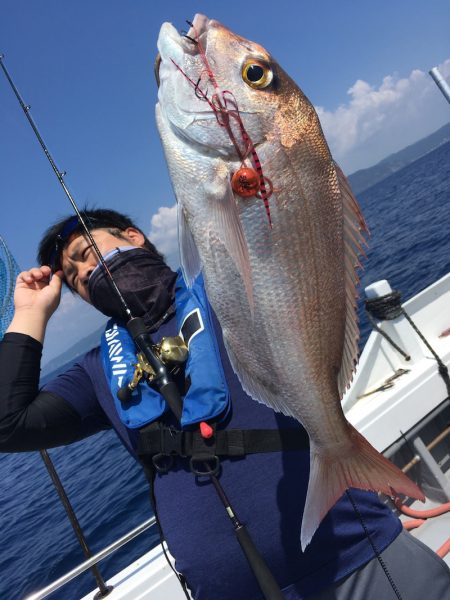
(162, 381)
(135, 325)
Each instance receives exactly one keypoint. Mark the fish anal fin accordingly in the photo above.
(355, 233)
(362, 467)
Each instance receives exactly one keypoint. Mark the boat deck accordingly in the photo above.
(148, 578)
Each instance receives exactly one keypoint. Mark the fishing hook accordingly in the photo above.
(184, 33)
(199, 93)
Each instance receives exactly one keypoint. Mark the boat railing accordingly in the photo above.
(94, 560)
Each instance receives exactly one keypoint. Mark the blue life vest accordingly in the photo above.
(208, 394)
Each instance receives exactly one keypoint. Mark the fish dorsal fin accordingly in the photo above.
(190, 259)
(355, 230)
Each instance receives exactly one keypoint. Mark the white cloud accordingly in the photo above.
(377, 121)
(164, 234)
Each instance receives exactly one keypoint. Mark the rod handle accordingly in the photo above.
(169, 391)
(266, 581)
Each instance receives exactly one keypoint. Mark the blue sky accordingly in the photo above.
(86, 68)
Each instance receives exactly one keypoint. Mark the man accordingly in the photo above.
(266, 486)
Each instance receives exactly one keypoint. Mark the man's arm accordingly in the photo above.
(29, 419)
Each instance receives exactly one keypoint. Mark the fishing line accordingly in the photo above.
(374, 547)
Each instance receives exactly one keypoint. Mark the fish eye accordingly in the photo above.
(257, 74)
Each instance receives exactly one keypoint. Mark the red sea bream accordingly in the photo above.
(280, 266)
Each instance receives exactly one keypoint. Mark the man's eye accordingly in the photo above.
(86, 251)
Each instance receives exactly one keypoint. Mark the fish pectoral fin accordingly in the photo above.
(190, 259)
(228, 227)
(362, 467)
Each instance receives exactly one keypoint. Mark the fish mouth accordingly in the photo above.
(187, 41)
(174, 47)
(182, 57)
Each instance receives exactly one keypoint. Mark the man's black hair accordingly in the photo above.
(53, 240)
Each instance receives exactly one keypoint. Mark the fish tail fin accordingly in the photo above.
(363, 467)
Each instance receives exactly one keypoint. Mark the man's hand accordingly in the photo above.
(36, 297)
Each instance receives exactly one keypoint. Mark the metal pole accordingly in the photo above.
(56, 585)
(104, 590)
(440, 82)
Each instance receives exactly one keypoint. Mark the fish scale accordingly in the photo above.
(284, 295)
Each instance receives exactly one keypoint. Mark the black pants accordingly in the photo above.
(418, 573)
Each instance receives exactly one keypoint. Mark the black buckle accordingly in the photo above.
(171, 445)
(162, 462)
(210, 464)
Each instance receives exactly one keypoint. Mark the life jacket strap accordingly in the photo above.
(158, 440)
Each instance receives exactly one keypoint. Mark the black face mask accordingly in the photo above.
(144, 280)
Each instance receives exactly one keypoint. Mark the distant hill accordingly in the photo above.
(366, 178)
(64, 360)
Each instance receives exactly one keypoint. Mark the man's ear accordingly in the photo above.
(135, 236)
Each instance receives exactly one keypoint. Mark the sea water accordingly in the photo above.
(409, 219)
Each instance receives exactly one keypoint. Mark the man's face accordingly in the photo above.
(78, 259)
